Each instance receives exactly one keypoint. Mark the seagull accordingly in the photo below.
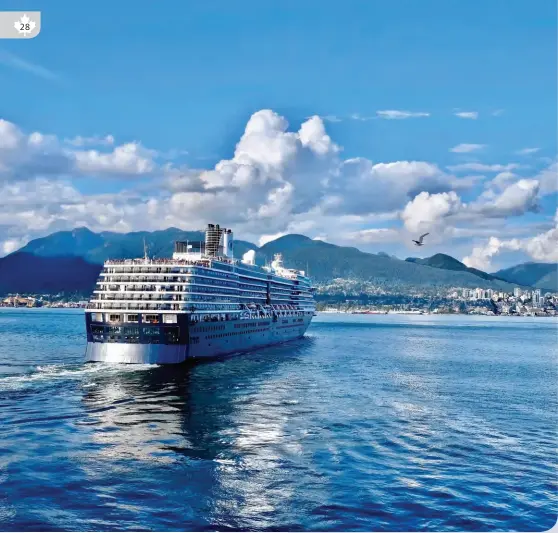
(419, 242)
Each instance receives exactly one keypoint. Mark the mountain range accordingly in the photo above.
(69, 261)
(540, 275)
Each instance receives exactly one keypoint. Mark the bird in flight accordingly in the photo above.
(419, 242)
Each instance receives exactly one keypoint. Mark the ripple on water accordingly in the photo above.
(375, 425)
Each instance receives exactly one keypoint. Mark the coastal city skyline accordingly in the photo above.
(396, 137)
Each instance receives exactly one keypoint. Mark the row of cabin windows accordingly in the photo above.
(212, 273)
(169, 286)
(165, 295)
(194, 280)
(212, 307)
(123, 330)
(211, 328)
(251, 324)
(196, 286)
(231, 333)
(158, 301)
(185, 270)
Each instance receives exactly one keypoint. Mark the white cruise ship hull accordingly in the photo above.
(204, 340)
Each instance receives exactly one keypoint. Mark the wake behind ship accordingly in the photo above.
(200, 303)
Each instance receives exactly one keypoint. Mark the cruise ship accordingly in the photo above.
(200, 303)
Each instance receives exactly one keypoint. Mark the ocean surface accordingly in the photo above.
(370, 423)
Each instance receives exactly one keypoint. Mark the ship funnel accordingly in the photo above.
(228, 243)
(212, 239)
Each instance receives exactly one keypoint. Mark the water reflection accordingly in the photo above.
(222, 422)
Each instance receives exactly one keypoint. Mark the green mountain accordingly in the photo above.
(23, 272)
(70, 260)
(540, 275)
(447, 262)
(327, 261)
(97, 247)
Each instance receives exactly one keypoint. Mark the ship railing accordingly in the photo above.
(166, 261)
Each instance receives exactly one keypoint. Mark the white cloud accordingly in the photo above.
(277, 181)
(11, 245)
(359, 117)
(465, 148)
(427, 211)
(10, 136)
(473, 115)
(481, 256)
(528, 151)
(497, 112)
(264, 239)
(373, 235)
(502, 180)
(95, 140)
(542, 247)
(389, 114)
(515, 199)
(481, 167)
(548, 179)
(361, 187)
(127, 159)
(25, 156)
(331, 118)
(395, 114)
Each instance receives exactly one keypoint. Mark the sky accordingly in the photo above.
(363, 123)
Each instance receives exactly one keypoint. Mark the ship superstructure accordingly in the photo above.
(202, 302)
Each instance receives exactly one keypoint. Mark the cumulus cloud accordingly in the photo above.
(434, 212)
(24, 156)
(278, 180)
(516, 199)
(542, 247)
(473, 115)
(127, 159)
(362, 187)
(465, 148)
(427, 211)
(481, 256)
(502, 180)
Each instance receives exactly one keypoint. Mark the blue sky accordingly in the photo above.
(187, 76)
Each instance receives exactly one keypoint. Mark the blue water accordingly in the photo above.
(385, 423)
